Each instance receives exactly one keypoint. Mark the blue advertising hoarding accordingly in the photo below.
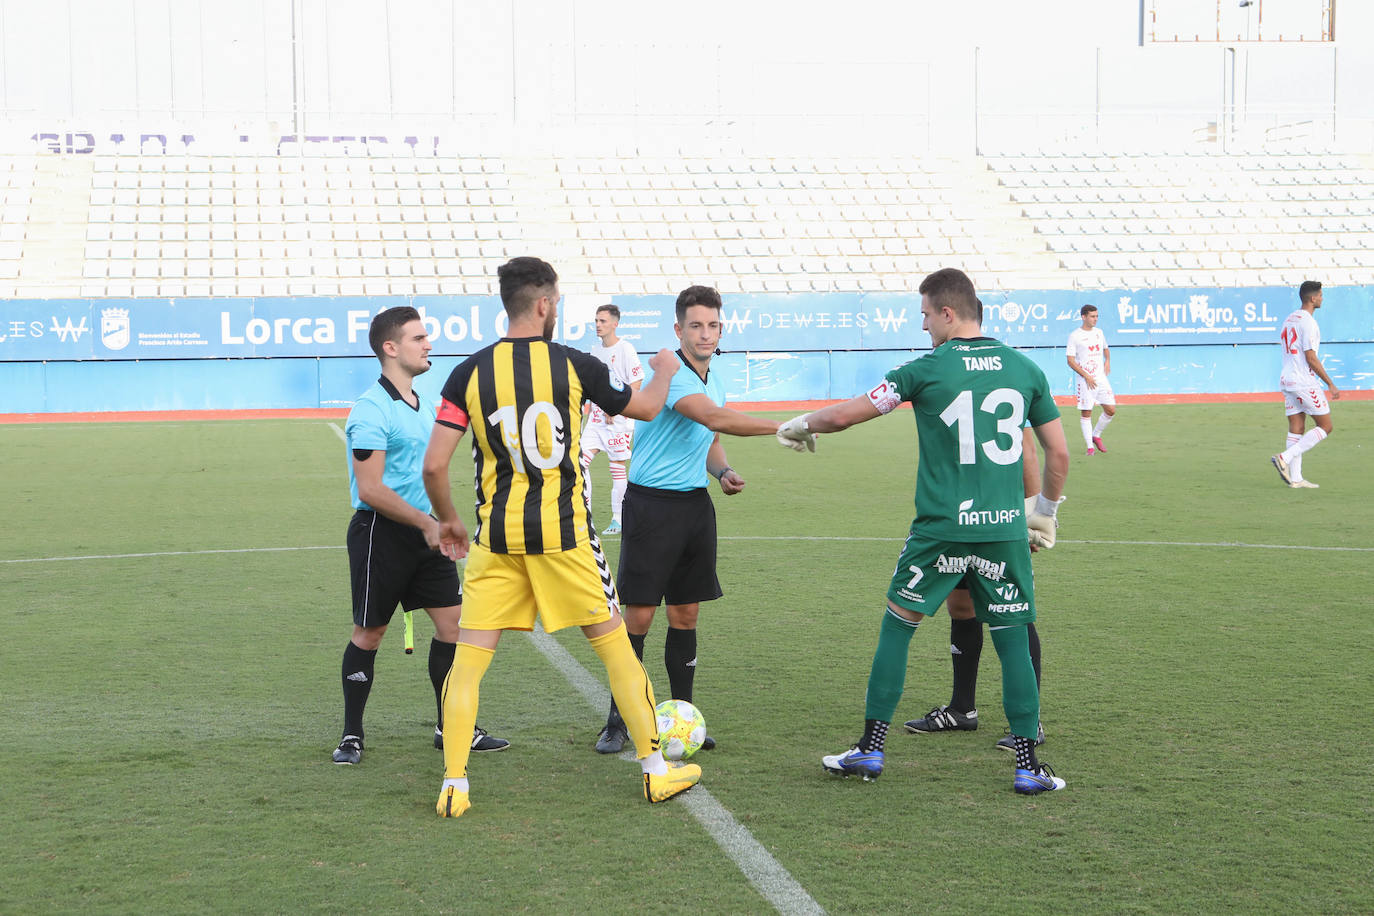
(226, 354)
(112, 329)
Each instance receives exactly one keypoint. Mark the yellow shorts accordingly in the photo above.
(505, 591)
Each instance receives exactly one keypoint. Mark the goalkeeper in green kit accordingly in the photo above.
(971, 396)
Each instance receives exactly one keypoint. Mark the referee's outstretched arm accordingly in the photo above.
(718, 419)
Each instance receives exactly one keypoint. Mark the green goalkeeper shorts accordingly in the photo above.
(997, 574)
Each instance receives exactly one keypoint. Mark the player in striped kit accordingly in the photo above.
(1302, 394)
(1092, 361)
(533, 554)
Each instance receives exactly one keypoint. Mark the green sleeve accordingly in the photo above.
(907, 379)
(1042, 406)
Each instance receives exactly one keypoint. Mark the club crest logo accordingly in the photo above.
(114, 328)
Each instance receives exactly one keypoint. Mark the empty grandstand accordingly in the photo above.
(1155, 152)
(344, 219)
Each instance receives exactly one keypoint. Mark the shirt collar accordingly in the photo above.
(396, 395)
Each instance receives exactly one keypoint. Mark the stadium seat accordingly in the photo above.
(794, 218)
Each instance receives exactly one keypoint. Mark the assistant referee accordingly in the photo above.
(392, 538)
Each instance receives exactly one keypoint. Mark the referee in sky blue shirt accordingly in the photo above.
(668, 548)
(392, 536)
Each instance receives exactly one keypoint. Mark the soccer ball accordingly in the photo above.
(681, 729)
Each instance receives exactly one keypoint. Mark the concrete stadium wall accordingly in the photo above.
(59, 356)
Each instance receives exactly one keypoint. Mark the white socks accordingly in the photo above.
(654, 764)
(1087, 426)
(1299, 444)
(619, 479)
(1313, 436)
(1294, 466)
(1102, 422)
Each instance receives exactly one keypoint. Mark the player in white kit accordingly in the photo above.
(1302, 394)
(612, 435)
(1090, 359)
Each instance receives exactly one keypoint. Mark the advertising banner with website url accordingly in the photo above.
(141, 329)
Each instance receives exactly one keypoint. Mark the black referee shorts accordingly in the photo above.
(668, 547)
(391, 564)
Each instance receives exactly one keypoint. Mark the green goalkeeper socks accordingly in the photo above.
(1020, 696)
(888, 675)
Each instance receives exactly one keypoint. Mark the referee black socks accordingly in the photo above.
(965, 646)
(440, 661)
(357, 684)
(680, 658)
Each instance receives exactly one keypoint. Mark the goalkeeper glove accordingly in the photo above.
(1041, 520)
(796, 435)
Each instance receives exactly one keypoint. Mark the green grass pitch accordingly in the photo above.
(169, 715)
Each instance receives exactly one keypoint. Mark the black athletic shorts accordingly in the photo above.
(391, 564)
(667, 547)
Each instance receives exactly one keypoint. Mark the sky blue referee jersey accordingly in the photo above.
(670, 450)
(383, 421)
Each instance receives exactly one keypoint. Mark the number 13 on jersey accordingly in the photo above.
(959, 415)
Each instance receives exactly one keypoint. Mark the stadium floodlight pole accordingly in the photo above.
(1097, 94)
(514, 63)
(295, 73)
(1335, 74)
(1229, 100)
(977, 149)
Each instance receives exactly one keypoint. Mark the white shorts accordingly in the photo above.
(1310, 401)
(1088, 396)
(613, 437)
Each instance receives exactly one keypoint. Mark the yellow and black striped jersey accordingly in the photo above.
(522, 399)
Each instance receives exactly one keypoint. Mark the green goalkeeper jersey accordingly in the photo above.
(971, 398)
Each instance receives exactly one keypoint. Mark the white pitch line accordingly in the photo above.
(1240, 544)
(172, 553)
(338, 431)
(763, 871)
(1220, 544)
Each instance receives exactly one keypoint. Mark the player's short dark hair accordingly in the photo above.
(951, 288)
(1309, 289)
(696, 295)
(1087, 308)
(387, 324)
(610, 308)
(524, 280)
(980, 311)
